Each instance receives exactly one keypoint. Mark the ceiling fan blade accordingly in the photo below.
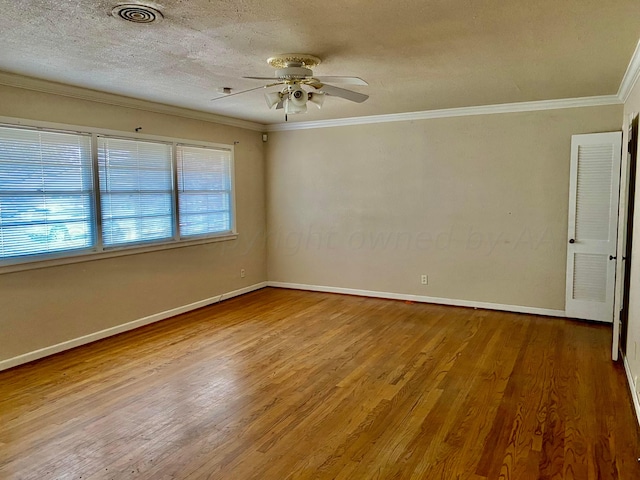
(236, 93)
(343, 93)
(245, 91)
(344, 80)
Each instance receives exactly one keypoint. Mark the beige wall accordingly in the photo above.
(477, 203)
(40, 308)
(632, 106)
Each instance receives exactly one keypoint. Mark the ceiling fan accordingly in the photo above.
(293, 71)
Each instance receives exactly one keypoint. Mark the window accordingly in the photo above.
(204, 190)
(46, 192)
(150, 191)
(136, 191)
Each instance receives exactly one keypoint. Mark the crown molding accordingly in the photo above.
(630, 76)
(38, 85)
(29, 83)
(453, 112)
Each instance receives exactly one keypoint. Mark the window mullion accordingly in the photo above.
(232, 185)
(97, 205)
(176, 206)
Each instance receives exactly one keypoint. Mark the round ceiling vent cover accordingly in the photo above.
(137, 13)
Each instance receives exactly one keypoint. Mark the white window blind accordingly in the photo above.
(136, 188)
(148, 192)
(204, 190)
(46, 192)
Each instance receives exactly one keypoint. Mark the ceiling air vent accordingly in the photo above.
(137, 13)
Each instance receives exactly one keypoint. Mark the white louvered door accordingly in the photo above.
(593, 221)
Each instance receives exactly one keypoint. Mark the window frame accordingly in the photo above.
(177, 192)
(98, 193)
(99, 251)
(46, 194)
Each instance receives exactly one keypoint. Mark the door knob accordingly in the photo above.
(572, 240)
(611, 257)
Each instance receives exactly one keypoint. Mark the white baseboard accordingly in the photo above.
(632, 388)
(421, 298)
(92, 337)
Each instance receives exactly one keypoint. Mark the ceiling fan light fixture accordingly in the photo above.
(316, 98)
(291, 108)
(272, 98)
(298, 96)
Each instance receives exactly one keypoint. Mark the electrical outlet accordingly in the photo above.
(424, 279)
(242, 273)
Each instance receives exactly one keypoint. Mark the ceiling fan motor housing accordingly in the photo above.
(293, 73)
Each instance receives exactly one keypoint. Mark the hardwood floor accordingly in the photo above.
(282, 384)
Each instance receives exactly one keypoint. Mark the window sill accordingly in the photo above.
(121, 252)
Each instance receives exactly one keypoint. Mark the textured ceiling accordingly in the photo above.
(416, 54)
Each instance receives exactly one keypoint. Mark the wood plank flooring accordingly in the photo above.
(281, 384)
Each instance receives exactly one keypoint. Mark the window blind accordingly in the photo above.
(204, 190)
(135, 191)
(46, 191)
(150, 192)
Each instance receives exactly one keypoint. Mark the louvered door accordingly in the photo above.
(593, 218)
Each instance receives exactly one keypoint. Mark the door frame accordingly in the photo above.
(626, 207)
